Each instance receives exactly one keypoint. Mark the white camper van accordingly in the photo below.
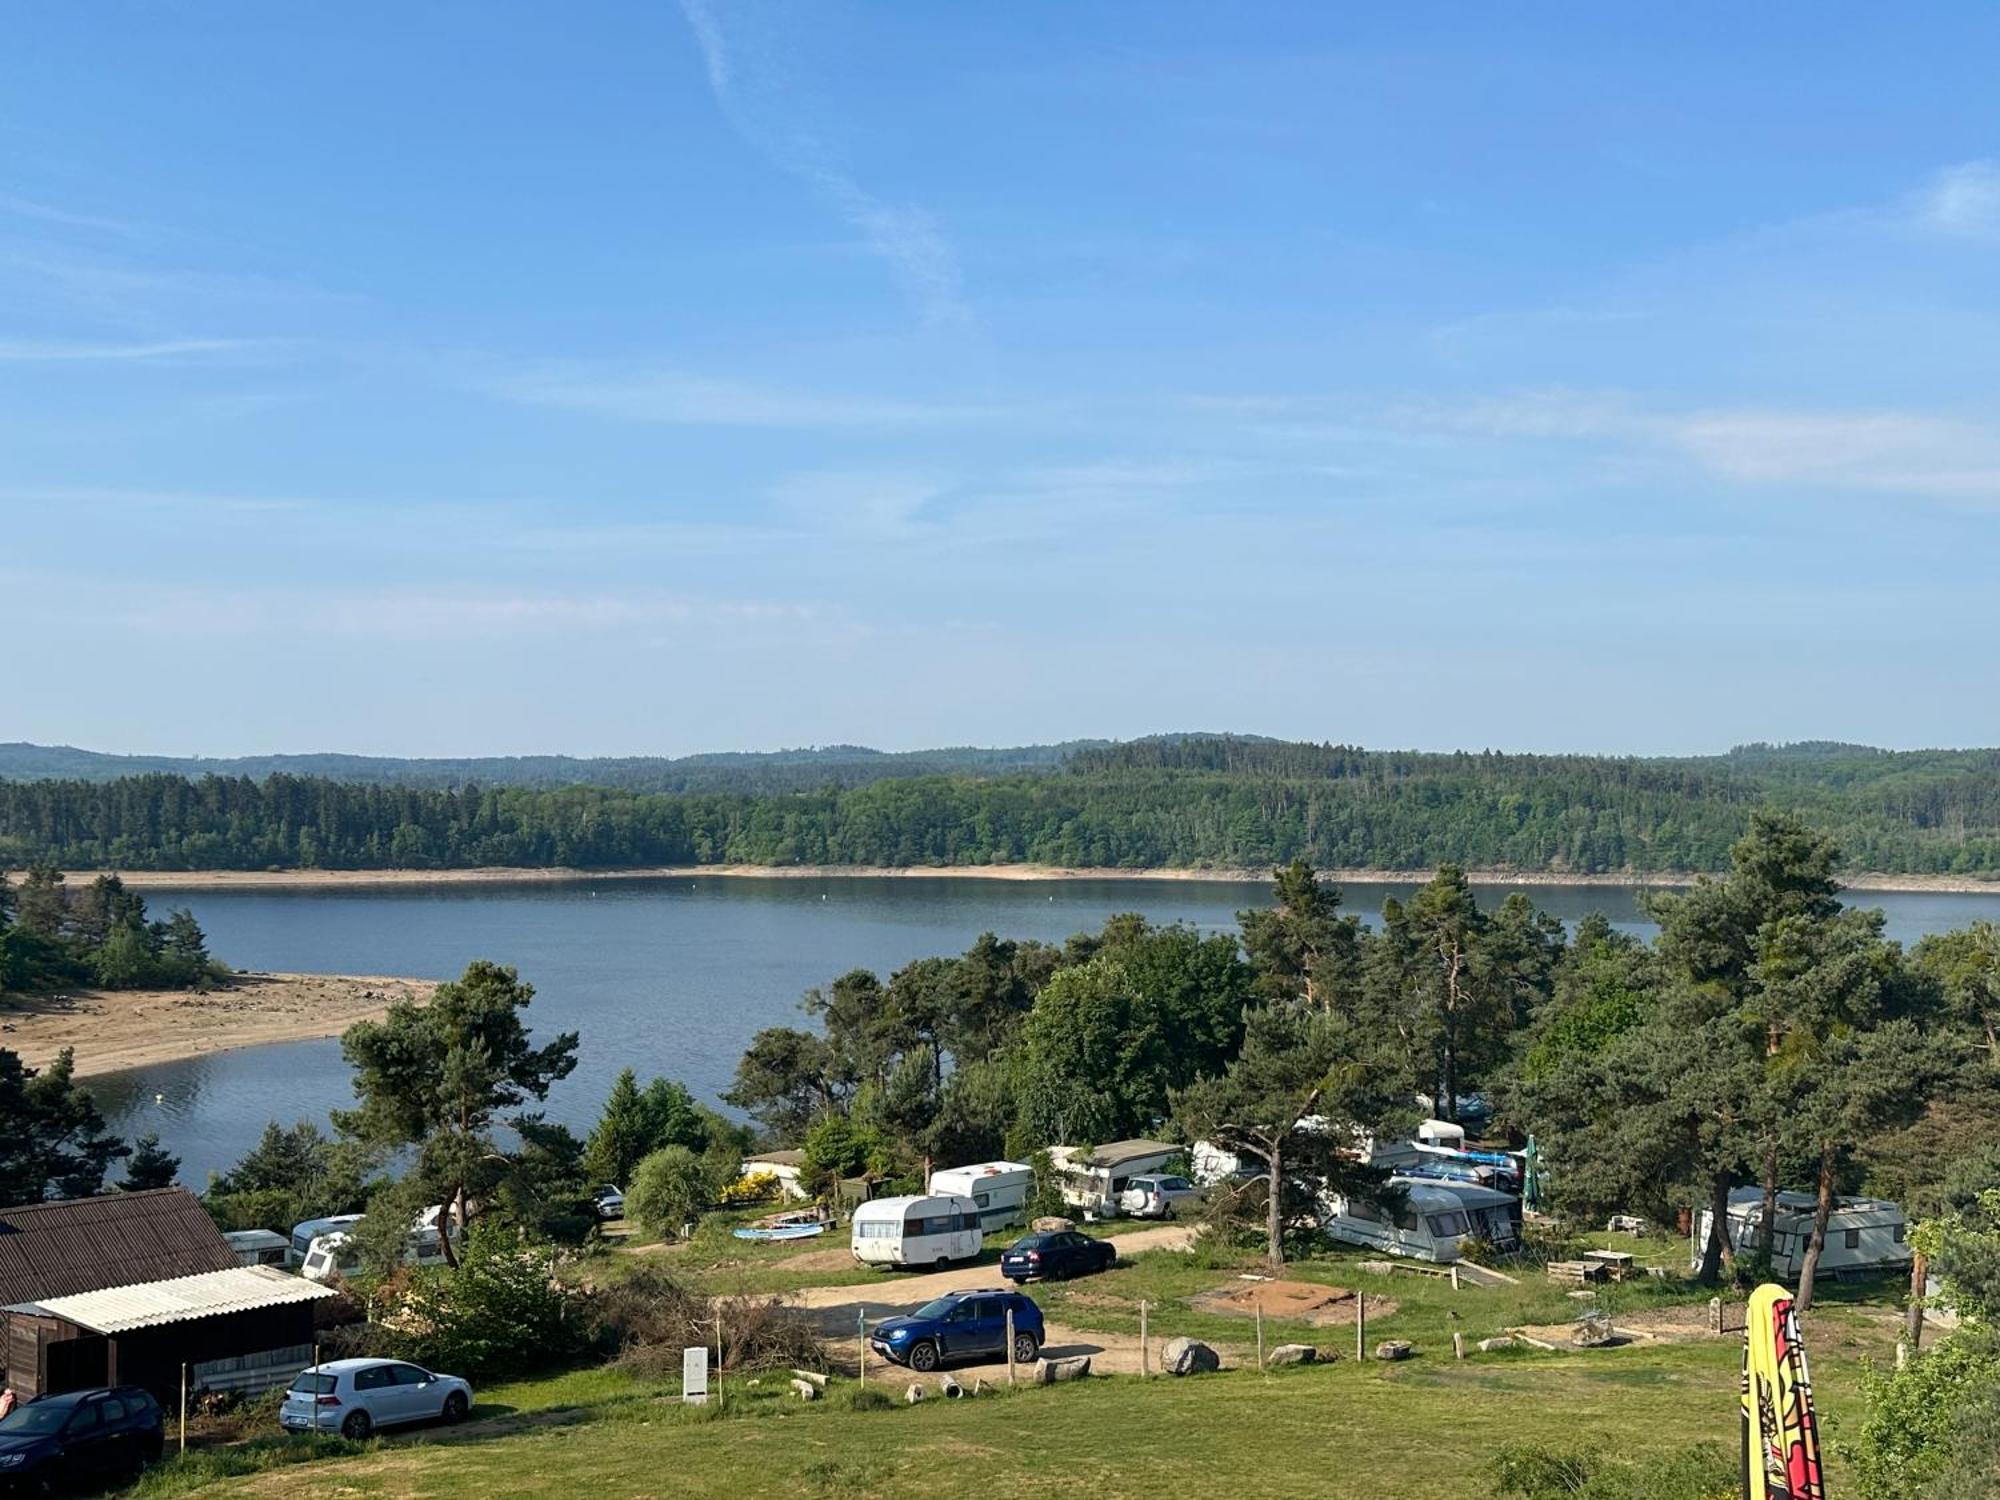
(1000, 1188)
(1434, 1218)
(933, 1231)
(1862, 1234)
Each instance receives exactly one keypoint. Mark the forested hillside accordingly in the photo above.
(1186, 802)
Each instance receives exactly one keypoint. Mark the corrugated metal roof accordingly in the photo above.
(86, 1244)
(123, 1308)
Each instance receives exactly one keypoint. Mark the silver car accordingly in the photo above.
(1156, 1197)
(353, 1397)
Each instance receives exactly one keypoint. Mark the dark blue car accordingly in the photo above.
(961, 1325)
(1056, 1256)
(81, 1438)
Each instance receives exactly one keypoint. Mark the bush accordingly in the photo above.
(751, 1188)
(1914, 1440)
(669, 1191)
(649, 1317)
(503, 1312)
(1530, 1471)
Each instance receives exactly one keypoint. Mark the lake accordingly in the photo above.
(674, 976)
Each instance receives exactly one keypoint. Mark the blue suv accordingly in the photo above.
(961, 1325)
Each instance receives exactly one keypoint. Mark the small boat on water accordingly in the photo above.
(783, 1227)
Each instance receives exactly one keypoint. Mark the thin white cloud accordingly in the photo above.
(15, 206)
(43, 351)
(637, 394)
(1962, 201)
(905, 236)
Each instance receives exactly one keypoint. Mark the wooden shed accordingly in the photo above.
(248, 1328)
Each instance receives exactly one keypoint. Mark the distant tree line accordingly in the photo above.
(1214, 802)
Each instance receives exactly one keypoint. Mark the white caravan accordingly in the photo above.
(1434, 1218)
(337, 1254)
(1093, 1180)
(1862, 1234)
(1000, 1188)
(259, 1247)
(304, 1234)
(932, 1231)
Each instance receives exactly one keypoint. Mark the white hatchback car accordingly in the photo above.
(353, 1397)
(1156, 1197)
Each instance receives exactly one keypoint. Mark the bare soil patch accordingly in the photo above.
(1301, 1301)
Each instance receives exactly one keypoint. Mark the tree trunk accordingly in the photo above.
(445, 1217)
(1913, 1315)
(1274, 1211)
(1768, 1232)
(1715, 1254)
(1822, 1211)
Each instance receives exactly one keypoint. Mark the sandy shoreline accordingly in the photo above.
(282, 880)
(116, 1029)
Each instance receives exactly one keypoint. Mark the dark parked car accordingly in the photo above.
(81, 1438)
(960, 1325)
(1056, 1256)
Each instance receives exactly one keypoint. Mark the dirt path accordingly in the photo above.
(1112, 1353)
(113, 1029)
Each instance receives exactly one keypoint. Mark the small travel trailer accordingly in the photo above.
(1433, 1219)
(1000, 1188)
(1441, 1133)
(336, 1254)
(1093, 1179)
(259, 1247)
(931, 1231)
(1862, 1234)
(304, 1234)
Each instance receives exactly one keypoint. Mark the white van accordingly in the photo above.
(933, 1231)
(336, 1254)
(259, 1247)
(303, 1235)
(1000, 1188)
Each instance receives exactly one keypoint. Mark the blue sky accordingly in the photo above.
(642, 377)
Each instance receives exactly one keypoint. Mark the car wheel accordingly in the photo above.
(941, 1264)
(455, 1407)
(923, 1357)
(356, 1426)
(1025, 1348)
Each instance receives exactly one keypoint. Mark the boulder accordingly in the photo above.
(1392, 1349)
(805, 1390)
(1052, 1224)
(1052, 1371)
(1185, 1356)
(1293, 1354)
(1505, 1341)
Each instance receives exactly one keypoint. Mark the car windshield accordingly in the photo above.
(941, 1308)
(1032, 1242)
(36, 1418)
(314, 1385)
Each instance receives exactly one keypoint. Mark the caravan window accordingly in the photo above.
(876, 1229)
(1899, 1233)
(1406, 1219)
(984, 1200)
(1853, 1239)
(1368, 1213)
(1446, 1226)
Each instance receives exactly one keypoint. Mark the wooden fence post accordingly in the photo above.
(1360, 1326)
(1260, 1338)
(184, 1408)
(1145, 1354)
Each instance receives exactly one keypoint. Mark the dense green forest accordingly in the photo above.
(1185, 801)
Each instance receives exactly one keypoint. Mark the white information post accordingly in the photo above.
(694, 1376)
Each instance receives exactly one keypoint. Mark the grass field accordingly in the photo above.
(1427, 1427)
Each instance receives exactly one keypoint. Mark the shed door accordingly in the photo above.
(74, 1364)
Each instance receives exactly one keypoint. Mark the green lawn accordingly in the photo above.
(1344, 1430)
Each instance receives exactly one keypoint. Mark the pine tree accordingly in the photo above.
(149, 1166)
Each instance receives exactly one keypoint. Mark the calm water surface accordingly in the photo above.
(672, 976)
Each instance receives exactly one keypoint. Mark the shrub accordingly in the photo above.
(649, 1317)
(1531, 1471)
(669, 1190)
(503, 1312)
(750, 1188)
(1913, 1437)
